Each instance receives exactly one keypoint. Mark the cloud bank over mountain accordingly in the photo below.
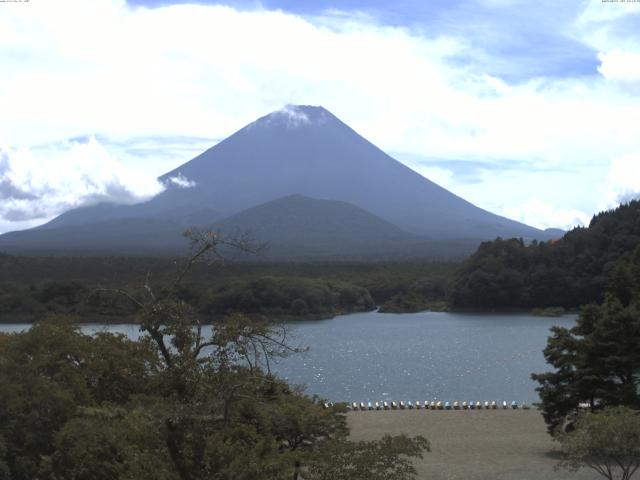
(38, 184)
(553, 107)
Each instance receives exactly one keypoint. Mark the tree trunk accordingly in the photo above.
(296, 470)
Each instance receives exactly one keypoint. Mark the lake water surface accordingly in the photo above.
(420, 356)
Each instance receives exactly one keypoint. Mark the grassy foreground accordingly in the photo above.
(473, 445)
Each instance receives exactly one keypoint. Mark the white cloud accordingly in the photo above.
(620, 65)
(13, 225)
(612, 29)
(622, 181)
(228, 67)
(72, 66)
(181, 181)
(37, 184)
(540, 214)
(598, 12)
(290, 115)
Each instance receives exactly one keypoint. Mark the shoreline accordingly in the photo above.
(22, 318)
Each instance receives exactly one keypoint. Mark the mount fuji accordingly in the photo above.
(298, 178)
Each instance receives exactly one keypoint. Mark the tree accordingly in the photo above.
(597, 362)
(177, 404)
(387, 459)
(575, 270)
(607, 442)
(229, 417)
(49, 374)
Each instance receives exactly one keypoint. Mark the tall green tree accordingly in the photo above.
(597, 362)
(607, 442)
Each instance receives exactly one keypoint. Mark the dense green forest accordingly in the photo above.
(503, 274)
(596, 363)
(572, 271)
(173, 405)
(33, 286)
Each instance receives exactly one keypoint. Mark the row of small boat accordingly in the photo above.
(436, 405)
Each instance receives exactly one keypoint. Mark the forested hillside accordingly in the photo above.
(574, 270)
(31, 287)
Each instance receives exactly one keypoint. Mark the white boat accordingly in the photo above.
(369, 406)
(385, 405)
(377, 405)
(456, 405)
(525, 406)
(354, 405)
(362, 407)
(432, 405)
(486, 405)
(465, 405)
(394, 405)
(478, 405)
(439, 405)
(418, 405)
(494, 405)
(402, 405)
(504, 405)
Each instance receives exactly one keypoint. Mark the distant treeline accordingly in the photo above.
(34, 286)
(503, 274)
(575, 270)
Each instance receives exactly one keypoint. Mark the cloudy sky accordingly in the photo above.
(530, 109)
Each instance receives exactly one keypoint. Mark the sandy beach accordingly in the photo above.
(473, 444)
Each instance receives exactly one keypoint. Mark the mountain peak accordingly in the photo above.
(294, 116)
(299, 149)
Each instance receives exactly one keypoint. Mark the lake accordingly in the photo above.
(420, 356)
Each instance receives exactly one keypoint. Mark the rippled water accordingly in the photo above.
(421, 356)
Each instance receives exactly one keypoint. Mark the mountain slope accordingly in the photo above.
(300, 150)
(298, 226)
(130, 236)
(306, 150)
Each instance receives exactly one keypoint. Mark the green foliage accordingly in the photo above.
(50, 372)
(387, 459)
(607, 442)
(174, 405)
(282, 297)
(575, 270)
(596, 362)
(423, 294)
(31, 287)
